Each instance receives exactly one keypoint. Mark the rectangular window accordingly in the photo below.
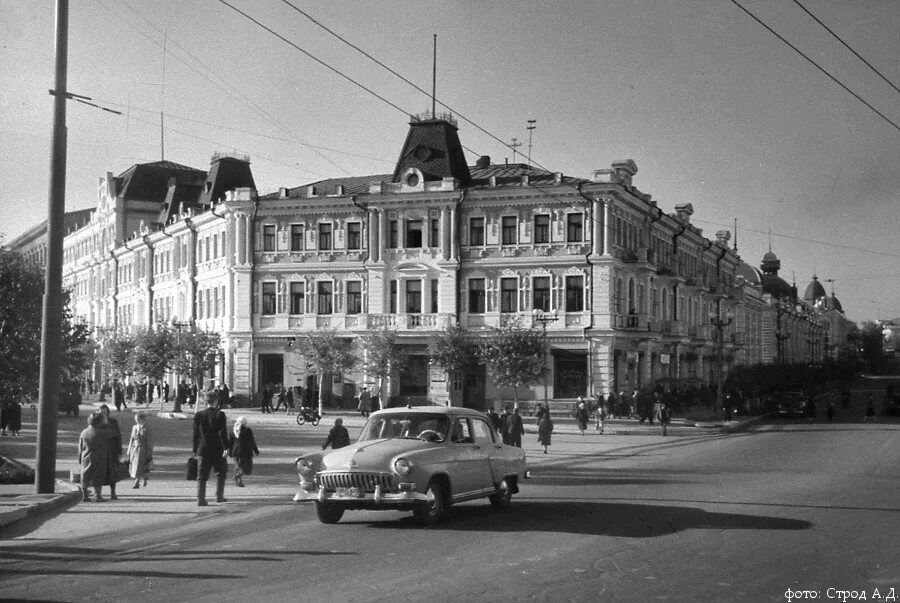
(215, 308)
(354, 235)
(296, 237)
(575, 228)
(541, 289)
(413, 234)
(542, 228)
(509, 295)
(325, 236)
(268, 299)
(392, 301)
(413, 296)
(269, 237)
(392, 234)
(354, 297)
(434, 296)
(298, 298)
(510, 225)
(476, 296)
(324, 290)
(435, 240)
(574, 293)
(476, 231)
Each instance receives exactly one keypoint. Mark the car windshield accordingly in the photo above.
(424, 426)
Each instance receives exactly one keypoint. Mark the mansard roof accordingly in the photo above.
(150, 181)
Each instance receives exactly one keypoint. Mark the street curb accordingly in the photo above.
(44, 505)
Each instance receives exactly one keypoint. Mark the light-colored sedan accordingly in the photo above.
(421, 459)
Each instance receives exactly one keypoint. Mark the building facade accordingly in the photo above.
(627, 295)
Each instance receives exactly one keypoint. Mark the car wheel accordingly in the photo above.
(431, 511)
(301, 419)
(502, 498)
(328, 513)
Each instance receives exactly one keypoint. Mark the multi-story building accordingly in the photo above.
(626, 293)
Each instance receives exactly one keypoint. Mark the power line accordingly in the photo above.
(817, 66)
(847, 46)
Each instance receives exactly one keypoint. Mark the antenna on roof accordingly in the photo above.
(770, 239)
(515, 144)
(735, 235)
(434, 80)
(530, 128)
(162, 102)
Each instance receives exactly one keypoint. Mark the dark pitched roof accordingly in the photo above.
(433, 147)
(150, 181)
(226, 174)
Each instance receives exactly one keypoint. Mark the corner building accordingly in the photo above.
(623, 290)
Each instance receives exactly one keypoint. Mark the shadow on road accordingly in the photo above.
(598, 519)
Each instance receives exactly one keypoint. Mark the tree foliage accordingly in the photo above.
(21, 314)
(152, 351)
(325, 353)
(382, 356)
(193, 353)
(116, 355)
(453, 348)
(515, 356)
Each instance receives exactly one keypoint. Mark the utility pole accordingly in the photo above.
(51, 322)
(531, 126)
(515, 144)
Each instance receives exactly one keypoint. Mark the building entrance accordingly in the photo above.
(271, 370)
(569, 374)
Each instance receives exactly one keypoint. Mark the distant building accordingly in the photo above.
(32, 244)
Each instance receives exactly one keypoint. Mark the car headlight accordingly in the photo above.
(401, 466)
(304, 466)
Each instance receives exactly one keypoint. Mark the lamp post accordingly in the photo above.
(780, 335)
(719, 322)
(542, 317)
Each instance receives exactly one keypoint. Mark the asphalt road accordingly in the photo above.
(790, 505)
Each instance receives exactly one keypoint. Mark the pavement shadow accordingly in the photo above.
(557, 476)
(622, 520)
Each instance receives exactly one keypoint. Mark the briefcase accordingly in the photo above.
(192, 469)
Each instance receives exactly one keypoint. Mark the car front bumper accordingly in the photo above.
(357, 498)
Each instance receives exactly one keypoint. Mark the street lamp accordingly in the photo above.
(542, 317)
(719, 322)
(780, 335)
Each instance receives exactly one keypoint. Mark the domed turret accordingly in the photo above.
(773, 284)
(814, 291)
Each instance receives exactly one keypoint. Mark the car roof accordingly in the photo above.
(437, 410)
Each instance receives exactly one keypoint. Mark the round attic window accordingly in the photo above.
(412, 179)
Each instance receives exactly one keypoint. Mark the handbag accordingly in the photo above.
(192, 469)
(122, 470)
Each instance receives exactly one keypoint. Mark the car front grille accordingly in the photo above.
(366, 482)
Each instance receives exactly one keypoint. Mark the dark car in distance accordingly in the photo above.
(790, 404)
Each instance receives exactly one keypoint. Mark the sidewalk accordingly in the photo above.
(18, 501)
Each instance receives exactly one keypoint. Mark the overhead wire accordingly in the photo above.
(817, 66)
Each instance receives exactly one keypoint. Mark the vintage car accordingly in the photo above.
(421, 459)
(791, 404)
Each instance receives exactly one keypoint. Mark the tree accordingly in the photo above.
(116, 355)
(382, 356)
(193, 353)
(515, 356)
(325, 353)
(454, 349)
(152, 353)
(21, 313)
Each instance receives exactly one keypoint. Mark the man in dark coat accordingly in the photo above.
(515, 428)
(93, 456)
(504, 425)
(338, 437)
(211, 445)
(494, 418)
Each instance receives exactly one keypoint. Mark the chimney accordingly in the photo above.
(723, 236)
(684, 211)
(283, 193)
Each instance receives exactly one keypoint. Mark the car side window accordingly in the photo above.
(460, 434)
(482, 431)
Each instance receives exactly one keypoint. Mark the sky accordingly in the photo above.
(714, 109)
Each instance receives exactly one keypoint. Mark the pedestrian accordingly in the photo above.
(504, 425)
(115, 452)
(211, 446)
(664, 414)
(515, 428)
(870, 409)
(4, 416)
(129, 391)
(242, 447)
(166, 391)
(845, 398)
(93, 456)
(11, 417)
(365, 402)
(289, 400)
(545, 428)
(830, 410)
(582, 415)
(282, 397)
(140, 393)
(601, 417)
(140, 450)
(224, 396)
(494, 418)
(118, 395)
(338, 437)
(267, 395)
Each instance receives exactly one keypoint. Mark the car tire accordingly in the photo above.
(503, 497)
(328, 513)
(431, 511)
(301, 419)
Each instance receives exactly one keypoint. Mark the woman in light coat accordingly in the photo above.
(545, 428)
(140, 450)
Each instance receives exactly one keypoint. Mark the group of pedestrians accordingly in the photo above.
(10, 417)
